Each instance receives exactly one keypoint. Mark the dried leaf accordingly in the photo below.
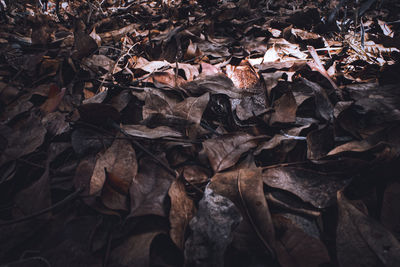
(390, 213)
(151, 133)
(362, 241)
(223, 152)
(285, 109)
(182, 211)
(192, 109)
(138, 250)
(314, 187)
(296, 248)
(23, 138)
(119, 159)
(244, 187)
(149, 189)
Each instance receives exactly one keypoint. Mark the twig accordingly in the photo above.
(69, 198)
(317, 65)
(271, 198)
(284, 165)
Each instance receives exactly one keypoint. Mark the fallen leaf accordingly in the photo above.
(149, 188)
(150, 133)
(192, 109)
(136, 250)
(285, 109)
(320, 142)
(223, 152)
(314, 187)
(244, 187)
(390, 213)
(296, 248)
(25, 136)
(182, 211)
(120, 160)
(362, 241)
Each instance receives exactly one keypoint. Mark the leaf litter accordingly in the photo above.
(199, 133)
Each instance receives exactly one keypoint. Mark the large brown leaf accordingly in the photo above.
(216, 84)
(285, 109)
(362, 241)
(191, 109)
(22, 138)
(149, 188)
(119, 159)
(296, 248)
(314, 187)
(244, 187)
(182, 211)
(390, 213)
(224, 151)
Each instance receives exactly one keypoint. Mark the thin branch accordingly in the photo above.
(69, 198)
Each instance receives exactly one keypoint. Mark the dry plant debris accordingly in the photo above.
(199, 133)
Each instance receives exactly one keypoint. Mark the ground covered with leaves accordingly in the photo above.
(209, 133)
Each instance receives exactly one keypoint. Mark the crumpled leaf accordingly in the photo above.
(362, 241)
(150, 133)
(212, 230)
(216, 84)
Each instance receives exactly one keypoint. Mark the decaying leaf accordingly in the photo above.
(314, 187)
(244, 187)
(296, 248)
(23, 138)
(223, 152)
(362, 241)
(182, 211)
(149, 189)
(120, 160)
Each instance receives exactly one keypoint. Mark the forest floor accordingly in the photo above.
(217, 133)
